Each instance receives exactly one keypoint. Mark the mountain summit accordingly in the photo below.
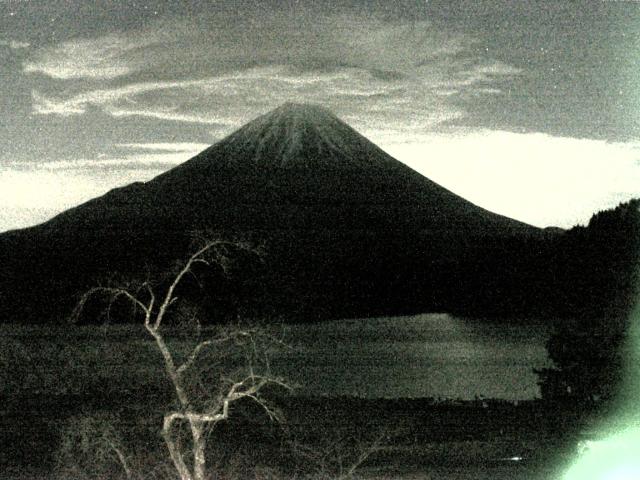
(346, 226)
(301, 135)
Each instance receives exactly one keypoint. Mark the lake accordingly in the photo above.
(428, 355)
(56, 372)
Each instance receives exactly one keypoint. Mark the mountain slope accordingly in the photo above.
(346, 226)
(295, 167)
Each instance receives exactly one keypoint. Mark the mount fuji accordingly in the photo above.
(348, 230)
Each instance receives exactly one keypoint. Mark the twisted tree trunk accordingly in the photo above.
(249, 387)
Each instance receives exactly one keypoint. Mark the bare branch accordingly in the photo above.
(191, 413)
(195, 258)
(174, 451)
(114, 294)
(170, 366)
(273, 415)
(336, 460)
(364, 456)
(152, 301)
(208, 343)
(120, 455)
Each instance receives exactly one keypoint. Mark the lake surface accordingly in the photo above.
(61, 371)
(429, 355)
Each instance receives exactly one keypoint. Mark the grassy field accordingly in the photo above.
(54, 378)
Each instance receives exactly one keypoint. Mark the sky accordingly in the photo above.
(529, 109)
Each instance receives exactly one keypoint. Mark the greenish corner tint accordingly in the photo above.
(616, 457)
(614, 452)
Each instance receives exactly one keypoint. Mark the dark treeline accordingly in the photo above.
(587, 272)
(597, 284)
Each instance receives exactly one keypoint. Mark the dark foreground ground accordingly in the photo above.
(59, 387)
(416, 439)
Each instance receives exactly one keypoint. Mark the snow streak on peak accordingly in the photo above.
(301, 135)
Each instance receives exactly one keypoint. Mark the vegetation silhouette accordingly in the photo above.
(597, 279)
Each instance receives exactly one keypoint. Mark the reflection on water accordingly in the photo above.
(430, 355)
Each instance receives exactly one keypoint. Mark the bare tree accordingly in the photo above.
(337, 458)
(193, 414)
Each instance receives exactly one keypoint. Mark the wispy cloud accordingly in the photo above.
(367, 70)
(497, 68)
(30, 196)
(131, 156)
(31, 193)
(102, 58)
(101, 97)
(46, 106)
(484, 72)
(14, 44)
(360, 95)
(178, 147)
